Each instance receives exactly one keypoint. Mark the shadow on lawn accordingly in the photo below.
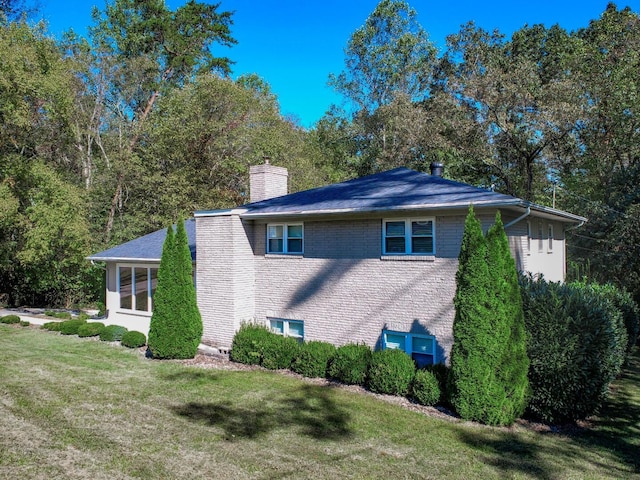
(615, 435)
(310, 408)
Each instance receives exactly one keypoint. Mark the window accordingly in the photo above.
(408, 237)
(528, 237)
(422, 348)
(137, 285)
(285, 238)
(550, 239)
(540, 238)
(288, 328)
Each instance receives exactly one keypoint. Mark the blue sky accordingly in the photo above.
(295, 44)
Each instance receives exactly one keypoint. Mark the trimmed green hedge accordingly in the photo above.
(351, 364)
(112, 333)
(425, 388)
(248, 343)
(133, 339)
(10, 319)
(313, 359)
(390, 372)
(52, 326)
(577, 345)
(70, 327)
(92, 329)
(278, 352)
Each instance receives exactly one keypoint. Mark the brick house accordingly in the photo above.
(371, 260)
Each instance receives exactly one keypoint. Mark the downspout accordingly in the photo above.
(521, 217)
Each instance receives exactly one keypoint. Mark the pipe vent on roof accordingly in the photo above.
(437, 169)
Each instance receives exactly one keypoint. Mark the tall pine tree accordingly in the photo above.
(176, 324)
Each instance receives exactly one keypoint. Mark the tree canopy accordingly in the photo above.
(94, 120)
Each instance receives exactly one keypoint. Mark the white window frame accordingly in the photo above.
(408, 343)
(550, 239)
(132, 267)
(286, 330)
(408, 235)
(285, 238)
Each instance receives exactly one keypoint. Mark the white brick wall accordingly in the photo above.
(341, 287)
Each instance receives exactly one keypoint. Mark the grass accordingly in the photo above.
(73, 408)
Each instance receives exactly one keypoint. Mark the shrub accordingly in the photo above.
(624, 302)
(576, 345)
(49, 313)
(133, 339)
(390, 372)
(313, 359)
(489, 357)
(62, 315)
(10, 319)
(248, 343)
(90, 329)
(350, 364)
(52, 326)
(176, 323)
(112, 333)
(443, 375)
(24, 323)
(70, 327)
(83, 316)
(278, 352)
(425, 388)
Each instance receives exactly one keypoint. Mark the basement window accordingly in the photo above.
(287, 328)
(421, 348)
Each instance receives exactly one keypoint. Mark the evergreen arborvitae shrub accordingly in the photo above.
(425, 388)
(248, 343)
(278, 352)
(350, 364)
(488, 360)
(513, 364)
(92, 329)
(112, 333)
(133, 339)
(473, 375)
(70, 327)
(176, 324)
(313, 359)
(10, 319)
(576, 346)
(391, 372)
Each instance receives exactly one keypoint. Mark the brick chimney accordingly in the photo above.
(267, 181)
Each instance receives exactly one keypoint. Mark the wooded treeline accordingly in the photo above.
(109, 137)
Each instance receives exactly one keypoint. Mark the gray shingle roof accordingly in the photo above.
(398, 189)
(148, 247)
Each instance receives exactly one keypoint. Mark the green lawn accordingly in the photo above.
(74, 408)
